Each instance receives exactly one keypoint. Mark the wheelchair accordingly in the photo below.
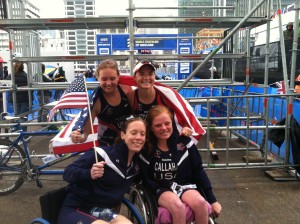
(52, 201)
(143, 199)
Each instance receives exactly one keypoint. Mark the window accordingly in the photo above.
(80, 42)
(81, 52)
(80, 32)
(90, 37)
(81, 47)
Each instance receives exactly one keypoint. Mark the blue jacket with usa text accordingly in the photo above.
(181, 164)
(107, 191)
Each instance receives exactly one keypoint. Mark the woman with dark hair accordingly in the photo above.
(95, 195)
(22, 96)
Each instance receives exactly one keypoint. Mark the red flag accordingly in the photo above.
(74, 97)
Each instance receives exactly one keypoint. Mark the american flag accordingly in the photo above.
(184, 116)
(281, 87)
(62, 142)
(74, 97)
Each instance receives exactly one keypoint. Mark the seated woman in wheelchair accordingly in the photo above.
(94, 194)
(173, 168)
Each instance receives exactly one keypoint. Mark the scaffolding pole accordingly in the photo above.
(221, 44)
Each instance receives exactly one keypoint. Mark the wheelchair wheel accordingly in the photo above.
(144, 203)
(211, 220)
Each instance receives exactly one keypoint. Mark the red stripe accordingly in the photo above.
(74, 148)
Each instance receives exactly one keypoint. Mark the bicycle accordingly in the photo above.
(16, 166)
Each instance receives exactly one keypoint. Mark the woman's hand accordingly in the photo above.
(97, 170)
(216, 209)
(77, 137)
(186, 131)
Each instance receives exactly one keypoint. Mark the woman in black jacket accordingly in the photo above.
(22, 96)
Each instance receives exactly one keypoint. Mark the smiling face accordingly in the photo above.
(134, 135)
(108, 79)
(162, 126)
(107, 73)
(145, 77)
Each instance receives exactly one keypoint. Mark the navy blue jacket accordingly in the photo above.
(20, 80)
(107, 191)
(189, 168)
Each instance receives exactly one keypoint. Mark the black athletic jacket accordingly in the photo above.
(189, 169)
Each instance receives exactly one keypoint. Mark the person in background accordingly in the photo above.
(110, 106)
(95, 196)
(215, 72)
(289, 32)
(288, 38)
(172, 166)
(47, 96)
(22, 96)
(5, 72)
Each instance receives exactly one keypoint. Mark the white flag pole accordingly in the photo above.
(90, 117)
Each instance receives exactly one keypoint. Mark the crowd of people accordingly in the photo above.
(136, 131)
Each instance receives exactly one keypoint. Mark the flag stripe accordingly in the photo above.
(73, 97)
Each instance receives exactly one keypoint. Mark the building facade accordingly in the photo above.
(80, 42)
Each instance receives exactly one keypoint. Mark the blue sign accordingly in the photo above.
(185, 46)
(104, 46)
(107, 43)
(121, 42)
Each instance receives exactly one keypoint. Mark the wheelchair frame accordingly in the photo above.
(143, 199)
(52, 201)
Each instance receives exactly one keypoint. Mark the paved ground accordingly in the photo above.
(248, 196)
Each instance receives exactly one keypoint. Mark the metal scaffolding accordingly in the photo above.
(247, 14)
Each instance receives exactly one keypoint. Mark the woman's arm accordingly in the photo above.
(76, 135)
(199, 175)
(80, 170)
(129, 93)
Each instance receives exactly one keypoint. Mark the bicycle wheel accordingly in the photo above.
(143, 202)
(12, 161)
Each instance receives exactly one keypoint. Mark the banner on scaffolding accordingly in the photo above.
(108, 43)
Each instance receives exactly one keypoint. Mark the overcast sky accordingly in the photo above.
(55, 8)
